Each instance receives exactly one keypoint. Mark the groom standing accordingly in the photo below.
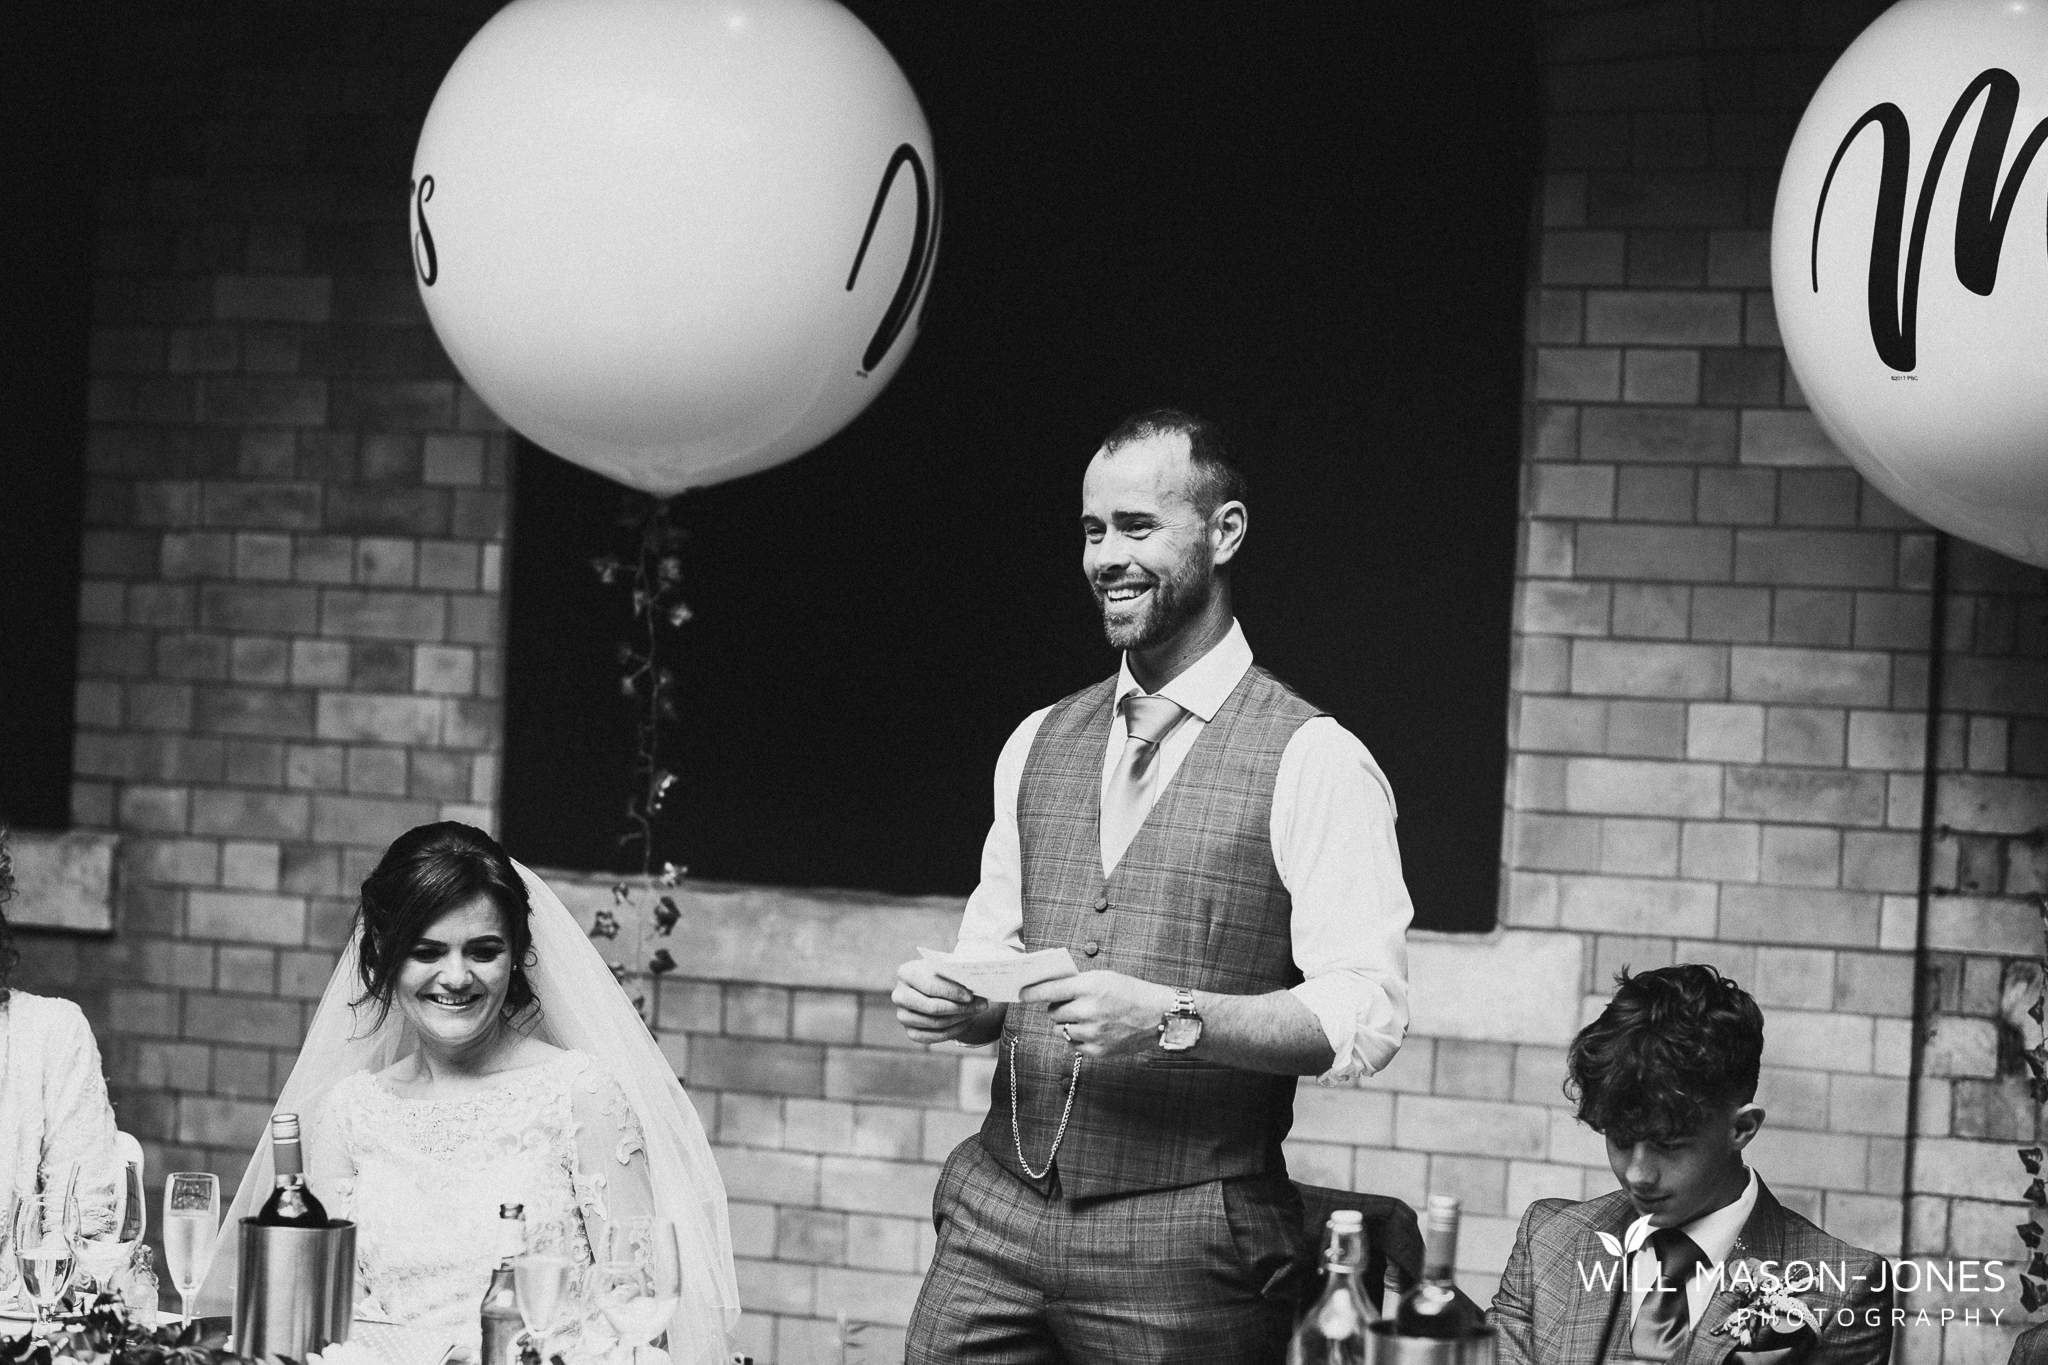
(1219, 858)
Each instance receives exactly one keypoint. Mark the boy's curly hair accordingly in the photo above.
(1670, 1045)
(8, 953)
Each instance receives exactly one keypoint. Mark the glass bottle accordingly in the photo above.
(291, 1204)
(1433, 1307)
(138, 1288)
(1334, 1331)
(502, 1321)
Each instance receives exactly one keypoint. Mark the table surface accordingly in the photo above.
(390, 1343)
(395, 1345)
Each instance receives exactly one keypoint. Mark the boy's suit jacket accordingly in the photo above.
(1546, 1314)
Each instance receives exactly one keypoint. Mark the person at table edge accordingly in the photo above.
(1219, 857)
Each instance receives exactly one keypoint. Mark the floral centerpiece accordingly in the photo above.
(98, 1330)
(95, 1327)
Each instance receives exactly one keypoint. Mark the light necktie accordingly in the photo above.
(1666, 1315)
(1134, 786)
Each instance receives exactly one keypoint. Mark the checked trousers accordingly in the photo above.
(1201, 1275)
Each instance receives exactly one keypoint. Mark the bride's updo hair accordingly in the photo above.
(425, 873)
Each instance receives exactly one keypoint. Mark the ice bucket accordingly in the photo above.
(296, 1290)
(1388, 1349)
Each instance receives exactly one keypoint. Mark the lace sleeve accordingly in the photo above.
(331, 1173)
(79, 1121)
(611, 1176)
(330, 1156)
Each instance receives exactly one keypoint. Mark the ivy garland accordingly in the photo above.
(2034, 1278)
(651, 575)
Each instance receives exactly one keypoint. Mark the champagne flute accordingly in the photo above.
(542, 1282)
(637, 1283)
(45, 1243)
(191, 1218)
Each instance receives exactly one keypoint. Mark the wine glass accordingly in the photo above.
(542, 1282)
(134, 1210)
(45, 1244)
(104, 1258)
(191, 1218)
(639, 1279)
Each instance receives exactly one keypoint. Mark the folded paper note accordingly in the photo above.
(1001, 978)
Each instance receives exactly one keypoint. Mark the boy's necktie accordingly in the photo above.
(1666, 1314)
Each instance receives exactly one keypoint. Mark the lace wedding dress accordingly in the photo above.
(423, 1178)
(600, 1133)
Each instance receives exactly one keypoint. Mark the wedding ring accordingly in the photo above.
(1067, 1034)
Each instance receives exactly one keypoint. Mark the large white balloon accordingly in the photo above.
(675, 241)
(1909, 264)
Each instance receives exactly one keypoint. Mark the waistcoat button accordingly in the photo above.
(1101, 904)
(1091, 947)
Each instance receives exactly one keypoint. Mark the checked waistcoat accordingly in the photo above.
(1195, 901)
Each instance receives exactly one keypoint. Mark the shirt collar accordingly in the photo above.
(1204, 685)
(1715, 1233)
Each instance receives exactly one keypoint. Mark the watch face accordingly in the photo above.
(1182, 1032)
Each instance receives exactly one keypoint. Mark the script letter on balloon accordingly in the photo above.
(1909, 264)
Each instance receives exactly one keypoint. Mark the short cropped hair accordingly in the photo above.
(1671, 1045)
(1216, 476)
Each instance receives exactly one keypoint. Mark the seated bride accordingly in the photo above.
(473, 1050)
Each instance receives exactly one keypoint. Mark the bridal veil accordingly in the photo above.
(581, 1007)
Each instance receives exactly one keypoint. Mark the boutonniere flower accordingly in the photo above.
(1764, 1306)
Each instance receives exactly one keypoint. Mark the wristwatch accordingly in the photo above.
(1180, 1028)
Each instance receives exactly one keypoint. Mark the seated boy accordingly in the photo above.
(1662, 1268)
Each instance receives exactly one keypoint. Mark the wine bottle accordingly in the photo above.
(291, 1204)
(502, 1321)
(1334, 1331)
(1433, 1307)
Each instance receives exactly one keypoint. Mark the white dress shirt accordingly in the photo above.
(1713, 1233)
(54, 1114)
(1332, 832)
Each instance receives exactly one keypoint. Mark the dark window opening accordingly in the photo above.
(46, 236)
(1310, 224)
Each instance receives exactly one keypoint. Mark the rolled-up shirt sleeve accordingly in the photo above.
(1334, 847)
(994, 918)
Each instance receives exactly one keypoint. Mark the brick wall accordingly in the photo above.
(830, 1129)
(1984, 926)
(1723, 640)
(1718, 733)
(1722, 631)
(290, 610)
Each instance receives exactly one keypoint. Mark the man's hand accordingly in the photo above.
(1104, 1014)
(935, 1010)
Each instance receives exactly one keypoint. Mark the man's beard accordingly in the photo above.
(1175, 600)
